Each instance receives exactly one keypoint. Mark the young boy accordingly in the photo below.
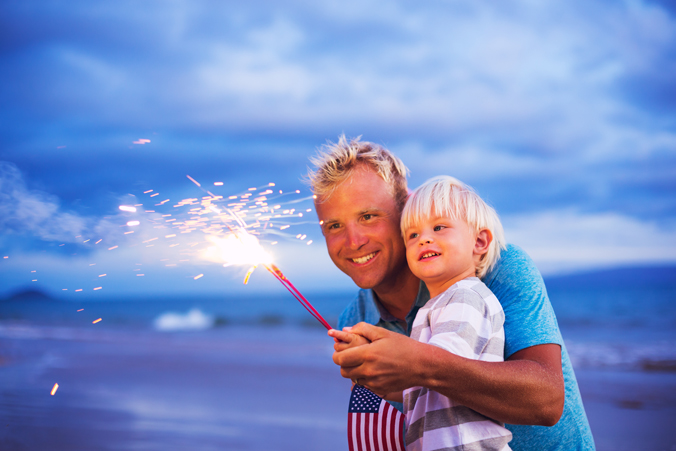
(452, 237)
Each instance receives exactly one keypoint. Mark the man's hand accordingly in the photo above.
(345, 339)
(386, 366)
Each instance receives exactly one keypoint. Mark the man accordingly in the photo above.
(360, 191)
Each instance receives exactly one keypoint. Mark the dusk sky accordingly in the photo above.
(561, 114)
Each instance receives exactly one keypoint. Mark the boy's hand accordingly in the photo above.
(345, 339)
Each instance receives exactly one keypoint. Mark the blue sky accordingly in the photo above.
(562, 115)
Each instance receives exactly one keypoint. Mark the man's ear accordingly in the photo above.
(483, 240)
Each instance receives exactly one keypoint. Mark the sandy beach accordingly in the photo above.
(236, 388)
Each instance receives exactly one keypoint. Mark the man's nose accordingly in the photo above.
(355, 237)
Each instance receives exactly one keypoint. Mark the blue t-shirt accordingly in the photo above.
(529, 321)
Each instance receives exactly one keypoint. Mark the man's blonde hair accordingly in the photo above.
(335, 162)
(449, 197)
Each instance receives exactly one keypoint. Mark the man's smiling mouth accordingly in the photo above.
(364, 259)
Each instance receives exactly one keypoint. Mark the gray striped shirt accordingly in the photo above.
(467, 320)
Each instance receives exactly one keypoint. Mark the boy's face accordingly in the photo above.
(360, 222)
(441, 251)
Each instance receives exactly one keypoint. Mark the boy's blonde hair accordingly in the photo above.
(335, 162)
(448, 196)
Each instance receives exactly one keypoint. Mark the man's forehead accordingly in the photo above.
(362, 175)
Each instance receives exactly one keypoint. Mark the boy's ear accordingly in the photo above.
(483, 240)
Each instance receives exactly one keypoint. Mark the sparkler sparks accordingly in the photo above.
(54, 389)
(248, 274)
(230, 230)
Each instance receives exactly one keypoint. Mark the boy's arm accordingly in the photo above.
(525, 389)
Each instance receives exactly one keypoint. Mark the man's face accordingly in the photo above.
(360, 222)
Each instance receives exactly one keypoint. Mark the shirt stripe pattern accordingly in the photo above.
(373, 424)
(467, 320)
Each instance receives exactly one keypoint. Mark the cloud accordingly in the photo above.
(24, 211)
(442, 68)
(566, 240)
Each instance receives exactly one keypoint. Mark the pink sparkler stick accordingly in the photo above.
(297, 294)
(275, 271)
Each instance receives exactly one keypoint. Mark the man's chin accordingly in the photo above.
(360, 275)
(365, 283)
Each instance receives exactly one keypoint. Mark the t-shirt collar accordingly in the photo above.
(375, 310)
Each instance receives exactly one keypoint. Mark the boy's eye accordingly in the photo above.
(438, 228)
(413, 235)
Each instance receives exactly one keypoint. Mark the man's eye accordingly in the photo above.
(332, 226)
(367, 216)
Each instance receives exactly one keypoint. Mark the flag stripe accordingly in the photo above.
(387, 430)
(370, 432)
(352, 419)
(397, 431)
(380, 432)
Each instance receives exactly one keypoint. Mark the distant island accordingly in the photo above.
(29, 295)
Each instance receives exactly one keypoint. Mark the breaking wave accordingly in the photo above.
(194, 319)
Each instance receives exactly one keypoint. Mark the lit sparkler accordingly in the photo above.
(240, 247)
(231, 225)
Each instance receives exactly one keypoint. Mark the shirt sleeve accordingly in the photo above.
(462, 324)
(529, 316)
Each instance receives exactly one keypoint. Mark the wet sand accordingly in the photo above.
(251, 388)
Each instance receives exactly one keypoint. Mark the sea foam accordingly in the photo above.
(194, 319)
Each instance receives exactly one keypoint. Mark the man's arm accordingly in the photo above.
(528, 388)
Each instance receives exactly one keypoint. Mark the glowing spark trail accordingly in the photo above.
(193, 180)
(56, 387)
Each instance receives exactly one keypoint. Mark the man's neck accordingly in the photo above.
(398, 297)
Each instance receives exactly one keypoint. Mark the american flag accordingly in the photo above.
(373, 424)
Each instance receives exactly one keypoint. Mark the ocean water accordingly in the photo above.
(609, 323)
(617, 327)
